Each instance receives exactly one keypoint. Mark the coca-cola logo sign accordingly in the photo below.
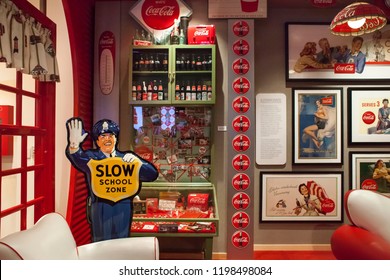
(241, 85)
(160, 14)
(198, 201)
(241, 104)
(241, 66)
(369, 184)
(202, 32)
(144, 152)
(241, 28)
(345, 13)
(106, 62)
(368, 117)
(240, 181)
(241, 142)
(327, 100)
(241, 200)
(241, 123)
(240, 220)
(344, 68)
(241, 47)
(241, 162)
(327, 205)
(240, 239)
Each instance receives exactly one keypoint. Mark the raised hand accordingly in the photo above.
(75, 133)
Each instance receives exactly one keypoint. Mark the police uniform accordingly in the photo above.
(108, 219)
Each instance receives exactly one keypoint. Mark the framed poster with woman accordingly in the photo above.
(294, 196)
(369, 115)
(370, 171)
(317, 122)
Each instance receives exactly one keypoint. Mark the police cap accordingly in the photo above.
(104, 126)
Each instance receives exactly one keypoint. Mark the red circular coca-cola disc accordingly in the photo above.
(160, 15)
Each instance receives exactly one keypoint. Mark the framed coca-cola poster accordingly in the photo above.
(369, 115)
(301, 197)
(317, 126)
(370, 171)
(313, 53)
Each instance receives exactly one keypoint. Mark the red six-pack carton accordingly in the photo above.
(198, 201)
(201, 34)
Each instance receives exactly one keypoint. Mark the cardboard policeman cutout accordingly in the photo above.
(113, 177)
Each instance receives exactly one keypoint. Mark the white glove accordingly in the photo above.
(129, 157)
(76, 136)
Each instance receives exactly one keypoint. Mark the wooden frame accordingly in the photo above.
(316, 140)
(281, 199)
(363, 122)
(342, 69)
(363, 174)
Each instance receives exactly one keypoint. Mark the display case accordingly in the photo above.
(177, 139)
(173, 74)
(175, 213)
(176, 209)
(171, 98)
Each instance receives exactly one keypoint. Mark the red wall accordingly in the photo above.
(80, 21)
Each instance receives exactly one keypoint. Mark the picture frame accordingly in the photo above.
(366, 106)
(281, 201)
(341, 67)
(317, 126)
(364, 175)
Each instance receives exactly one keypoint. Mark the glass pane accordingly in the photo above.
(12, 146)
(30, 150)
(10, 191)
(8, 75)
(30, 185)
(28, 113)
(30, 216)
(7, 107)
(176, 140)
(28, 83)
(10, 224)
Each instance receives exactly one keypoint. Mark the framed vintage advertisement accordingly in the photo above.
(237, 8)
(369, 113)
(303, 197)
(314, 53)
(317, 124)
(370, 171)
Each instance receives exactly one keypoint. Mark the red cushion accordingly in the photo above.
(354, 243)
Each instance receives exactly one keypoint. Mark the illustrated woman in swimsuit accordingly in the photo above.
(320, 119)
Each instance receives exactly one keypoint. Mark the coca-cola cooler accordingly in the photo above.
(6, 117)
(201, 34)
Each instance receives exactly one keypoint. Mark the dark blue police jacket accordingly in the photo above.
(109, 219)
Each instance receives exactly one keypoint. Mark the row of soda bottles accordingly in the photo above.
(153, 90)
(159, 62)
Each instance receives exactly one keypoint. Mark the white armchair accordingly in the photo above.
(51, 239)
(367, 237)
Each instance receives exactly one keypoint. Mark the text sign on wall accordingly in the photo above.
(271, 127)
